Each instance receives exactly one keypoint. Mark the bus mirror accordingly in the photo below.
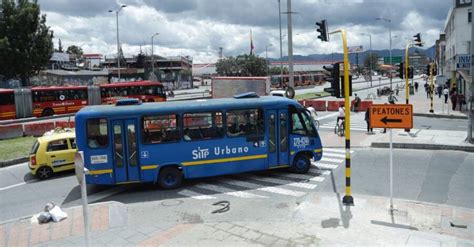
(79, 166)
(290, 93)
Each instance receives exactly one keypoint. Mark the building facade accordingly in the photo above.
(457, 46)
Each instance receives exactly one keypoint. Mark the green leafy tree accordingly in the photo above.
(277, 71)
(26, 42)
(141, 60)
(76, 50)
(242, 65)
(371, 60)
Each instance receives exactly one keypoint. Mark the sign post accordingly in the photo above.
(81, 178)
(392, 117)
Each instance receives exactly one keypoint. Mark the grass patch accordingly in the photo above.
(16, 148)
(312, 95)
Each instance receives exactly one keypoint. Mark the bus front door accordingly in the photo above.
(277, 138)
(126, 168)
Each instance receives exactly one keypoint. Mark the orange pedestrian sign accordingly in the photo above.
(391, 116)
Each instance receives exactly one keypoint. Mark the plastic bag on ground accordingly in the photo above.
(57, 214)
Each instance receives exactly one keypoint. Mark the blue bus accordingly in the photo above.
(167, 142)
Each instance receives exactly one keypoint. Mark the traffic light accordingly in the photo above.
(343, 88)
(410, 72)
(401, 70)
(323, 30)
(418, 40)
(435, 69)
(428, 69)
(334, 79)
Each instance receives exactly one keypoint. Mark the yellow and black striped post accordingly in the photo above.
(347, 199)
(431, 86)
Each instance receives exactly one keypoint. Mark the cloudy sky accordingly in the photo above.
(199, 27)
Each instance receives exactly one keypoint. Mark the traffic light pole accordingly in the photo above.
(347, 199)
(431, 86)
(407, 94)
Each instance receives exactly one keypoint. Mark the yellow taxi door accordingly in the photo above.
(59, 155)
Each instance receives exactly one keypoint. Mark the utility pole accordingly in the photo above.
(290, 45)
(281, 48)
(471, 96)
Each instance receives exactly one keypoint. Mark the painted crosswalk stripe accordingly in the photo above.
(274, 190)
(285, 182)
(303, 177)
(334, 155)
(324, 165)
(228, 191)
(335, 150)
(324, 159)
(195, 195)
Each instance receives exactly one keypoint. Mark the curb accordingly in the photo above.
(432, 115)
(422, 146)
(13, 161)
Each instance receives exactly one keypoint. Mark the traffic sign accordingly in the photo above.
(391, 116)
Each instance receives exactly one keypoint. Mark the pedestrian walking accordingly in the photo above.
(446, 94)
(416, 86)
(356, 103)
(454, 99)
(427, 90)
(367, 120)
(439, 89)
(397, 89)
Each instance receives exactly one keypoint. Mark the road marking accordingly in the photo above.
(105, 193)
(325, 166)
(303, 177)
(334, 155)
(285, 182)
(335, 150)
(331, 160)
(228, 191)
(266, 189)
(12, 186)
(195, 195)
(327, 116)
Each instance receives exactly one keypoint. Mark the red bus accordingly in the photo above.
(47, 101)
(7, 104)
(146, 91)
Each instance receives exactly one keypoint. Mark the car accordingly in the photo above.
(53, 152)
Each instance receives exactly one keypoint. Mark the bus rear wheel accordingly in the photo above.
(48, 112)
(170, 178)
(301, 164)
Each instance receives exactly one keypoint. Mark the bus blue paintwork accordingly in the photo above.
(200, 158)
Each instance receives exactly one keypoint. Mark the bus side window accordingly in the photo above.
(97, 135)
(159, 129)
(245, 122)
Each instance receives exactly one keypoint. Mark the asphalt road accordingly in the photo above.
(443, 177)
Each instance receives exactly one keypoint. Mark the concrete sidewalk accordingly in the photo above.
(317, 219)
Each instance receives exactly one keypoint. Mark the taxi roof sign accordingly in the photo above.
(392, 116)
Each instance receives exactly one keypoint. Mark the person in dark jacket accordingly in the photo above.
(367, 119)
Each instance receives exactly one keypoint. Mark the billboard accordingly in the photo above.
(463, 3)
(355, 49)
(395, 60)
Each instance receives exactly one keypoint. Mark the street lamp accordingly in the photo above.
(118, 42)
(152, 57)
(370, 57)
(390, 36)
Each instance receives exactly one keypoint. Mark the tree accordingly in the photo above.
(277, 71)
(371, 60)
(26, 43)
(76, 50)
(242, 65)
(141, 60)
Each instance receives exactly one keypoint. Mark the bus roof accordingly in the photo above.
(58, 88)
(202, 105)
(128, 84)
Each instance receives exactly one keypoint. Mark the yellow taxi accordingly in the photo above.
(53, 152)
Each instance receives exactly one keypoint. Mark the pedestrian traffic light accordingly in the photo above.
(323, 30)
(401, 70)
(428, 69)
(334, 79)
(418, 40)
(410, 72)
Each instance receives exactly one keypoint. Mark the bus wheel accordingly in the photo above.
(48, 112)
(44, 172)
(301, 164)
(170, 178)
